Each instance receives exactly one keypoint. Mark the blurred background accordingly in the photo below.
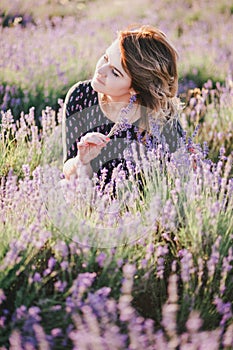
(47, 45)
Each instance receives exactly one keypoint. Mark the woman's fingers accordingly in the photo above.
(95, 138)
(88, 143)
(90, 146)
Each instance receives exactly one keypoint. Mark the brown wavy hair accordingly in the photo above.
(151, 62)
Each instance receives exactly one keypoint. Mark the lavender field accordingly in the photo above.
(151, 270)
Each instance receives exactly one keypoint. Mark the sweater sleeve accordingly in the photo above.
(72, 123)
(171, 134)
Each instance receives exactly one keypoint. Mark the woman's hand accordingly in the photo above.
(90, 146)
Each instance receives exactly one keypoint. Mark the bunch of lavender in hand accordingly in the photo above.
(122, 125)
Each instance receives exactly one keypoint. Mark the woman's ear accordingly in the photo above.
(132, 92)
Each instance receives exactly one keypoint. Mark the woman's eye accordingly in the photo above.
(115, 73)
(105, 57)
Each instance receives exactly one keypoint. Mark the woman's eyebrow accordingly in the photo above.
(114, 66)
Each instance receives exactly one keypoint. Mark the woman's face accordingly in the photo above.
(110, 78)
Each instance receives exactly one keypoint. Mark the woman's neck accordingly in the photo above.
(113, 109)
(124, 99)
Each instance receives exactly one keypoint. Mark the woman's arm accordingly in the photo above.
(74, 167)
(78, 150)
(71, 162)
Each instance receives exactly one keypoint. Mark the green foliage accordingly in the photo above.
(14, 155)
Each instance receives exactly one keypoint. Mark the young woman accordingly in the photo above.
(131, 98)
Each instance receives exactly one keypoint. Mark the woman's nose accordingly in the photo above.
(102, 70)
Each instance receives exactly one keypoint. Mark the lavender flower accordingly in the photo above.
(60, 286)
(187, 267)
(121, 125)
(101, 259)
(194, 322)
(2, 296)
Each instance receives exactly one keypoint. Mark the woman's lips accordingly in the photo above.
(99, 80)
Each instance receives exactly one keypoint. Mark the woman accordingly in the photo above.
(131, 98)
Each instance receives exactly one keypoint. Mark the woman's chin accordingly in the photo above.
(97, 86)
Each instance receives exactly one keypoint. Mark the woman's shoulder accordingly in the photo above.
(81, 89)
(79, 97)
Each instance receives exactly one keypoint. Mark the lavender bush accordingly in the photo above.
(166, 283)
(211, 108)
(169, 288)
